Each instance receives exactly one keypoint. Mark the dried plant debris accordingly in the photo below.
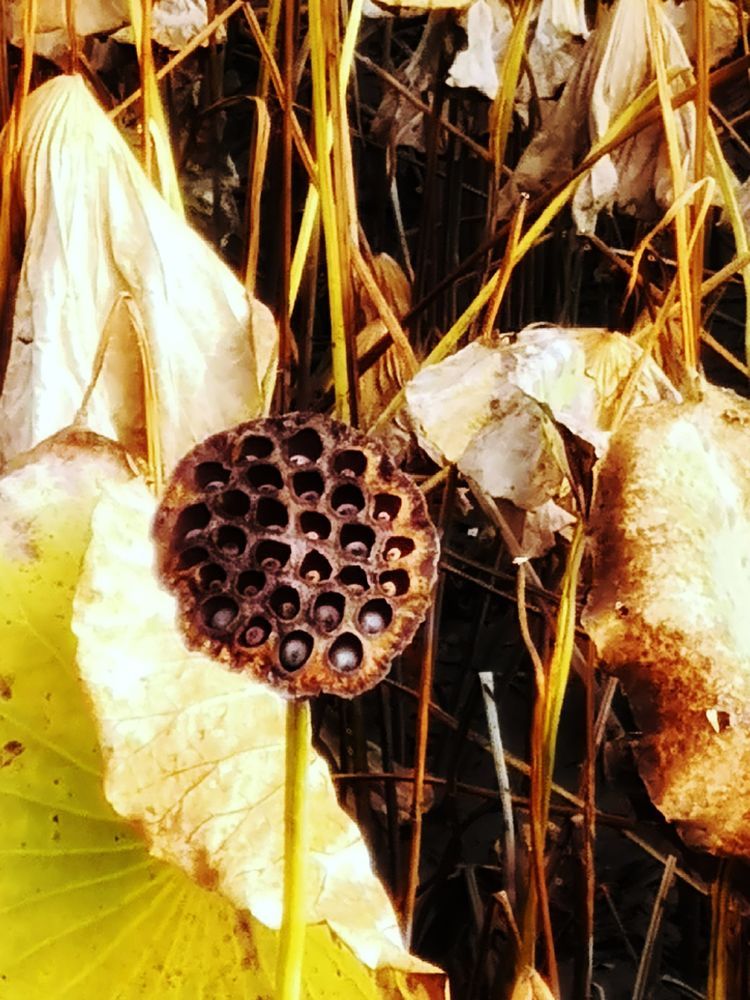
(397, 121)
(615, 67)
(383, 378)
(492, 409)
(299, 553)
(174, 23)
(670, 534)
(555, 47)
(123, 278)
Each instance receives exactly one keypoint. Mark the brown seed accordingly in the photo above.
(255, 635)
(221, 618)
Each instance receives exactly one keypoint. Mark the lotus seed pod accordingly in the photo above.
(298, 553)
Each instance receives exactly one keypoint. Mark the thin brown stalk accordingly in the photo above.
(703, 123)
(258, 157)
(4, 78)
(657, 913)
(718, 957)
(147, 71)
(588, 794)
(282, 312)
(423, 723)
(493, 305)
(346, 207)
(277, 81)
(70, 20)
(8, 166)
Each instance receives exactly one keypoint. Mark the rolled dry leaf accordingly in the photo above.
(668, 606)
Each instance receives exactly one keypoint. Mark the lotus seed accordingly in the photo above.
(255, 635)
(294, 651)
(328, 617)
(372, 622)
(345, 655)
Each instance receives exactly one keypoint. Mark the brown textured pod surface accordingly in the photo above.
(298, 552)
(669, 606)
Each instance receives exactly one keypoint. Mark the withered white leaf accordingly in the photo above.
(614, 68)
(556, 42)
(97, 231)
(195, 755)
(51, 41)
(486, 409)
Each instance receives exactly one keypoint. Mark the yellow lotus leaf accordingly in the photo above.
(195, 755)
(87, 910)
(99, 238)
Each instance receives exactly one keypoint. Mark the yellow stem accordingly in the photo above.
(292, 940)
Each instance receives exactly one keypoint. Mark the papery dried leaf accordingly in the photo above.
(392, 282)
(488, 24)
(174, 23)
(668, 606)
(554, 50)
(391, 369)
(415, 7)
(489, 409)
(615, 67)
(530, 986)
(383, 379)
(723, 26)
(51, 41)
(98, 231)
(557, 45)
(195, 755)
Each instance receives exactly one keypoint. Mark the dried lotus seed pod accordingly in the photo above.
(298, 553)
